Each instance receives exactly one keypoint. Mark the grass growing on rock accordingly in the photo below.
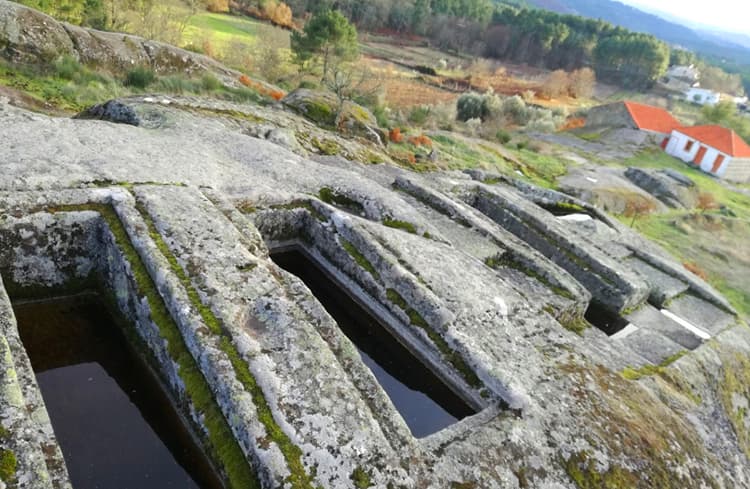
(331, 196)
(298, 478)
(402, 225)
(361, 260)
(8, 465)
(648, 370)
(453, 357)
(221, 443)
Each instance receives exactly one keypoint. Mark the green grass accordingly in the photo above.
(227, 30)
(361, 260)
(737, 202)
(648, 370)
(402, 225)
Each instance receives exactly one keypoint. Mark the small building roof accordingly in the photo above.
(652, 118)
(720, 138)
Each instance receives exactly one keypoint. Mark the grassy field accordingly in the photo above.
(716, 241)
(225, 32)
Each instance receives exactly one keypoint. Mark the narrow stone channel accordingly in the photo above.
(423, 400)
(116, 426)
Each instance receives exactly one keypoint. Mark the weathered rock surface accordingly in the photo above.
(29, 36)
(679, 193)
(485, 282)
(324, 108)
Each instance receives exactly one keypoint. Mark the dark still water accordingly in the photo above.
(424, 401)
(116, 427)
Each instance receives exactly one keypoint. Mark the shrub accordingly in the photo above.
(310, 85)
(695, 270)
(140, 77)
(420, 141)
(210, 83)
(514, 109)
(419, 115)
(503, 136)
(395, 136)
(471, 106)
(67, 67)
(217, 5)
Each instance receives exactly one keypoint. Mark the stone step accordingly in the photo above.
(651, 318)
(650, 344)
(701, 314)
(663, 286)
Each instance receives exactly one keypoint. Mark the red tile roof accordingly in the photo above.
(652, 118)
(721, 138)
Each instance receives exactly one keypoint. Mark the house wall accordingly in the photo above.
(706, 97)
(738, 171)
(676, 148)
(610, 116)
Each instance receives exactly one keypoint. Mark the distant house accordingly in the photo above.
(680, 78)
(702, 96)
(632, 115)
(717, 150)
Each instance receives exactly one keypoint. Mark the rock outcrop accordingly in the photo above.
(326, 109)
(29, 36)
(489, 282)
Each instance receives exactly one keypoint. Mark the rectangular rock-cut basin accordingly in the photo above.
(425, 402)
(115, 424)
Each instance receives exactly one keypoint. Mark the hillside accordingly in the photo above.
(638, 20)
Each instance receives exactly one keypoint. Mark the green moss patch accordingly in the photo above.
(301, 204)
(507, 260)
(298, 478)
(361, 478)
(326, 146)
(582, 470)
(8, 465)
(648, 370)
(449, 354)
(402, 225)
(358, 257)
(330, 196)
(735, 384)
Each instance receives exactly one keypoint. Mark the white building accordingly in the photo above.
(715, 149)
(702, 96)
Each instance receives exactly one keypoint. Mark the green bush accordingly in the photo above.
(310, 85)
(210, 83)
(419, 115)
(471, 106)
(67, 67)
(503, 136)
(140, 77)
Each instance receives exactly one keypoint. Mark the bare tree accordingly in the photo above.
(557, 84)
(582, 83)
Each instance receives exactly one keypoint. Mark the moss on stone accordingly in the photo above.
(330, 196)
(301, 204)
(298, 477)
(507, 260)
(735, 382)
(648, 370)
(449, 354)
(8, 465)
(326, 146)
(361, 478)
(464, 485)
(564, 208)
(629, 423)
(358, 257)
(582, 470)
(402, 225)
(319, 112)
(220, 443)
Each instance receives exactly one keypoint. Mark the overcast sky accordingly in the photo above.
(730, 15)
